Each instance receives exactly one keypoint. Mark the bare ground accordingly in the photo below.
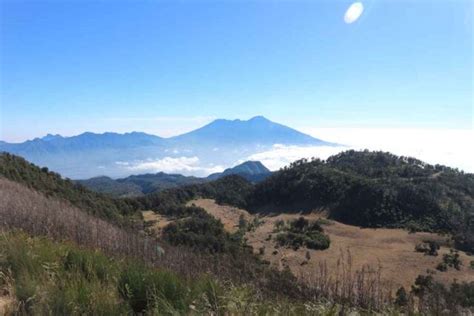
(393, 250)
(156, 221)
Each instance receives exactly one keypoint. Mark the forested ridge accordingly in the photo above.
(375, 189)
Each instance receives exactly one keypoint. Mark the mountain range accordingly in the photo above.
(137, 185)
(199, 152)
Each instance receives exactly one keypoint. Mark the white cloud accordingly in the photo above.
(182, 165)
(282, 155)
(451, 147)
(353, 12)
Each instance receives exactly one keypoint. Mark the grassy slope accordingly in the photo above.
(52, 184)
(44, 277)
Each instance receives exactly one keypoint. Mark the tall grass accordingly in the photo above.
(362, 287)
(48, 278)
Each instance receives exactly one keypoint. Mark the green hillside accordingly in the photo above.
(375, 189)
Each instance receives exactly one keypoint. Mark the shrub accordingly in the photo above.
(401, 297)
(301, 232)
(202, 232)
(452, 259)
(429, 248)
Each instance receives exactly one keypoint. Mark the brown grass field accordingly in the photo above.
(391, 250)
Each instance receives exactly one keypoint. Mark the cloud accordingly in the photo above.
(282, 155)
(353, 12)
(182, 165)
(449, 147)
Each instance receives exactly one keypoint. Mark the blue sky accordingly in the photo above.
(168, 66)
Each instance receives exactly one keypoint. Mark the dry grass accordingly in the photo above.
(228, 215)
(391, 250)
(155, 222)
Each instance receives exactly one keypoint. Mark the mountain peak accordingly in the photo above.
(253, 171)
(259, 118)
(257, 131)
(50, 137)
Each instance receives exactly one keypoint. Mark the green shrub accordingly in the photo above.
(429, 248)
(301, 232)
(401, 297)
(202, 232)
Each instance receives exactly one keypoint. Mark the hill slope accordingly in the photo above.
(52, 184)
(375, 189)
(253, 171)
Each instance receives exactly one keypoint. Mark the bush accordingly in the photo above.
(401, 297)
(450, 260)
(202, 232)
(429, 248)
(301, 232)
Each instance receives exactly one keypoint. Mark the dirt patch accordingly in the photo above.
(392, 250)
(228, 215)
(6, 303)
(155, 222)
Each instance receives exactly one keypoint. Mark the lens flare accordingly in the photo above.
(354, 12)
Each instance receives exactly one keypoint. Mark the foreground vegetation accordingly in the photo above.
(62, 279)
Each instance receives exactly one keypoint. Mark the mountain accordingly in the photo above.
(138, 185)
(253, 171)
(257, 130)
(220, 143)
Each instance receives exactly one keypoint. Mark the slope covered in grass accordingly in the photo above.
(52, 184)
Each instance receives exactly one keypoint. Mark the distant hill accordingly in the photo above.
(111, 187)
(222, 142)
(253, 171)
(137, 185)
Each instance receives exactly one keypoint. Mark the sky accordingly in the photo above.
(166, 67)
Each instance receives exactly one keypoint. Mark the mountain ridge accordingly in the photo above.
(219, 143)
(140, 184)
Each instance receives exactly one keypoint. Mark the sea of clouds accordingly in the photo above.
(451, 147)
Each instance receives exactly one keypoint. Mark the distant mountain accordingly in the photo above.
(220, 143)
(257, 130)
(253, 171)
(137, 185)
(159, 181)
(112, 187)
